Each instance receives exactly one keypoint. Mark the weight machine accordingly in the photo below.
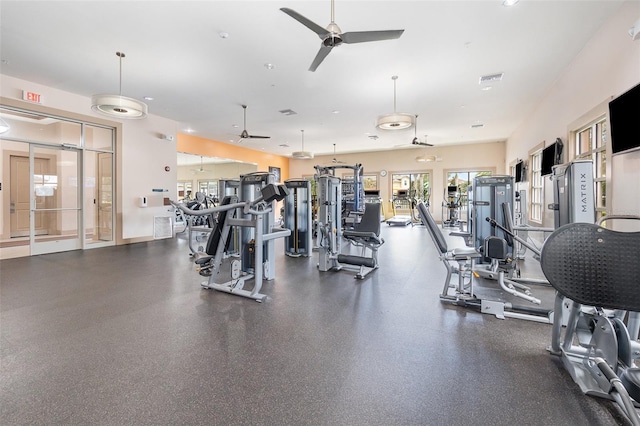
(352, 196)
(451, 207)
(365, 235)
(595, 272)
(297, 218)
(256, 260)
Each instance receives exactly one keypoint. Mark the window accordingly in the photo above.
(184, 190)
(537, 200)
(591, 144)
(208, 187)
(411, 185)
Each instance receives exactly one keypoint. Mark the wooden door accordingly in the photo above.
(20, 196)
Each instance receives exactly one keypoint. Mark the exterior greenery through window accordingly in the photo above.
(417, 186)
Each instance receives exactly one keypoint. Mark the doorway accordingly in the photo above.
(59, 187)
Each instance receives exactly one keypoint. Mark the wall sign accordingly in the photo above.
(31, 97)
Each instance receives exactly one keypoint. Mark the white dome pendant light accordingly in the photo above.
(396, 120)
(118, 105)
(302, 155)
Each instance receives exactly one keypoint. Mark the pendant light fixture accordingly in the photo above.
(396, 120)
(302, 155)
(118, 105)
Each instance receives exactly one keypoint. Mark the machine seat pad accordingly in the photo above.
(202, 258)
(594, 265)
(631, 381)
(362, 235)
(464, 253)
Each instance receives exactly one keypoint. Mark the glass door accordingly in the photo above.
(55, 207)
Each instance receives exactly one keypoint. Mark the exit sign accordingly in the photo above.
(32, 97)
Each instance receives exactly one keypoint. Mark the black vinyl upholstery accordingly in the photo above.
(432, 226)
(216, 232)
(594, 266)
(369, 226)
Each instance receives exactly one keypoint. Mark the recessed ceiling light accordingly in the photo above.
(269, 66)
(189, 130)
(235, 126)
(148, 98)
(335, 111)
(223, 34)
(485, 88)
(509, 2)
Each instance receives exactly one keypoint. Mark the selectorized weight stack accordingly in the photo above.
(297, 218)
(250, 189)
(329, 221)
(228, 187)
(489, 194)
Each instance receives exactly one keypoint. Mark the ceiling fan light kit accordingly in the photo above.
(302, 155)
(425, 158)
(395, 120)
(118, 105)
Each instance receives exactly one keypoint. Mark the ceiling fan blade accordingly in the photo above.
(364, 36)
(258, 137)
(322, 53)
(322, 32)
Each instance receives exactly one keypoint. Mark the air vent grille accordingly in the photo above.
(287, 112)
(491, 78)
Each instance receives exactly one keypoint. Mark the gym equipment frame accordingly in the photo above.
(595, 272)
(463, 293)
(255, 210)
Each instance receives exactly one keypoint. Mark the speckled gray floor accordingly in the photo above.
(125, 335)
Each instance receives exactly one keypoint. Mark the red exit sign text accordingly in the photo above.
(32, 97)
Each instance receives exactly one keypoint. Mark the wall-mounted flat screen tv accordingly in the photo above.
(624, 115)
(551, 156)
(518, 172)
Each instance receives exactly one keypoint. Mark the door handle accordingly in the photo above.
(12, 207)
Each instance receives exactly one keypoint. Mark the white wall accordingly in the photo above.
(143, 156)
(608, 65)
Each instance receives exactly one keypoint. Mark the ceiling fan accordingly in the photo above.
(333, 36)
(245, 134)
(417, 141)
(201, 169)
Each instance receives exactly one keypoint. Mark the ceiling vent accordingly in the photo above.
(287, 112)
(477, 126)
(490, 78)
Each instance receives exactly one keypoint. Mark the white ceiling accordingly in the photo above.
(175, 54)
